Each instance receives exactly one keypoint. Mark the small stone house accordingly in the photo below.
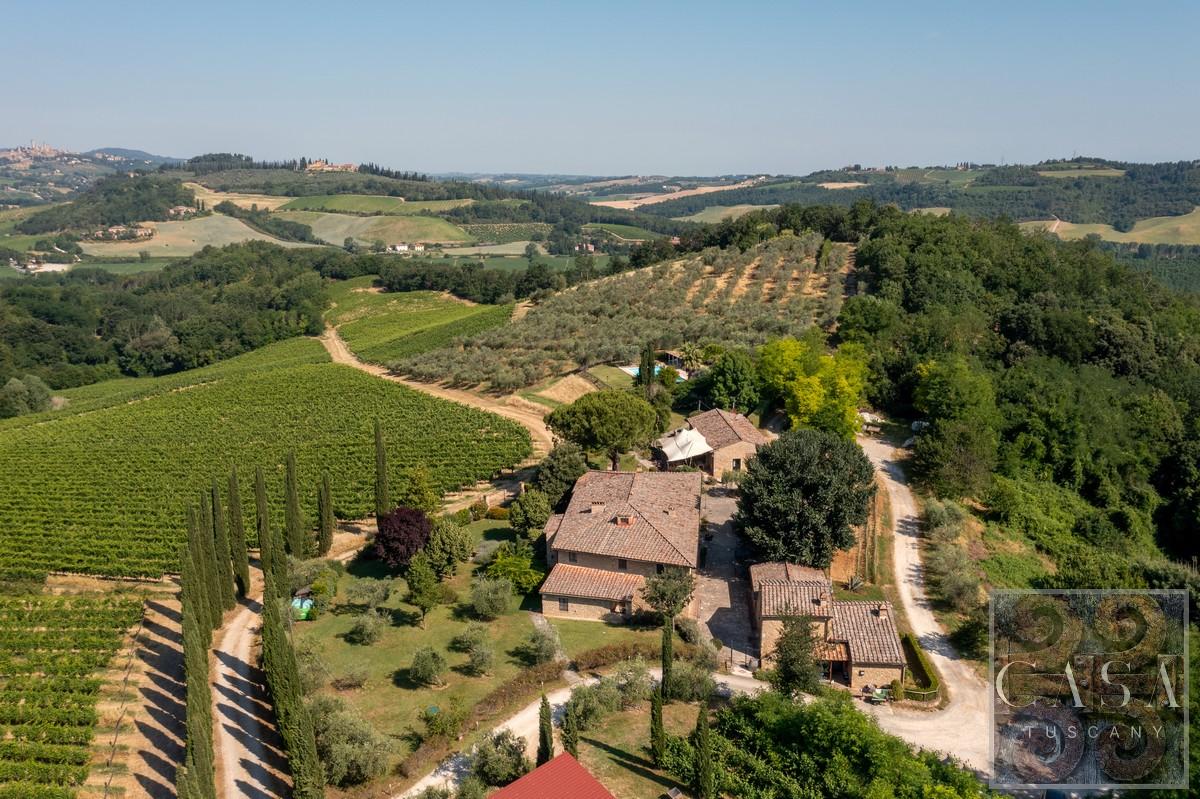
(715, 441)
(858, 644)
(618, 529)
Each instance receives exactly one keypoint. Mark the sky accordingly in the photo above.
(609, 88)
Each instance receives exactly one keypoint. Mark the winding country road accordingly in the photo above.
(961, 727)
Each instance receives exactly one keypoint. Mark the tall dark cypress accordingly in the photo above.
(658, 734)
(221, 544)
(296, 544)
(194, 778)
(212, 576)
(545, 750)
(237, 536)
(283, 679)
(383, 502)
(668, 655)
(266, 539)
(704, 770)
(208, 614)
(325, 516)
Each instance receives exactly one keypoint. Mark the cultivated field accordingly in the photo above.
(624, 232)
(103, 491)
(1083, 172)
(336, 228)
(719, 213)
(721, 297)
(370, 204)
(51, 650)
(636, 202)
(212, 197)
(382, 327)
(1155, 230)
(508, 232)
(184, 238)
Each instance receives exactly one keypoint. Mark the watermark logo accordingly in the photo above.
(1089, 689)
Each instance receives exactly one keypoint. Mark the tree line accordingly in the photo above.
(112, 200)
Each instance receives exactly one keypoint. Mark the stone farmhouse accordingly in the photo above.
(715, 441)
(858, 645)
(619, 529)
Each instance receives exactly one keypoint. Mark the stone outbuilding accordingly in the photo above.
(714, 441)
(857, 641)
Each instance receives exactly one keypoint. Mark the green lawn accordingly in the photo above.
(383, 327)
(612, 377)
(580, 636)
(617, 751)
(390, 700)
(370, 204)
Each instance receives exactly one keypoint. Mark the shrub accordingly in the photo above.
(470, 637)
(444, 722)
(731, 478)
(591, 703)
(369, 593)
(350, 749)
(402, 533)
(690, 683)
(480, 658)
(428, 666)
(462, 517)
(499, 759)
(515, 562)
(435, 792)
(351, 680)
(688, 629)
(478, 510)
(897, 691)
(498, 513)
(366, 630)
(924, 676)
(449, 545)
(529, 512)
(313, 673)
(633, 680)
(471, 788)
(491, 598)
(541, 646)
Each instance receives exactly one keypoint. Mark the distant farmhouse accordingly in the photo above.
(325, 166)
(405, 247)
(619, 529)
(715, 441)
(857, 642)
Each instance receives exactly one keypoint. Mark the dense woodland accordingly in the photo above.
(1019, 193)
(266, 222)
(77, 327)
(115, 200)
(1176, 266)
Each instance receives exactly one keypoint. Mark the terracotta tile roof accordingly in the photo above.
(551, 528)
(832, 650)
(581, 581)
(722, 428)
(796, 599)
(648, 516)
(561, 777)
(784, 572)
(869, 630)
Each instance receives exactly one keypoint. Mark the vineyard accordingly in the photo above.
(381, 327)
(507, 232)
(716, 297)
(370, 204)
(50, 650)
(102, 491)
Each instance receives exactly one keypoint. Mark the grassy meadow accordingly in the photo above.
(626, 232)
(336, 228)
(1183, 229)
(370, 204)
(212, 197)
(719, 213)
(175, 239)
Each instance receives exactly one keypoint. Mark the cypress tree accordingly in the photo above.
(668, 655)
(208, 546)
(266, 540)
(221, 544)
(382, 499)
(545, 749)
(194, 779)
(325, 516)
(283, 679)
(704, 770)
(201, 587)
(237, 536)
(658, 734)
(570, 731)
(292, 521)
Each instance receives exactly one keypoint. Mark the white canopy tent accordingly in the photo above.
(683, 444)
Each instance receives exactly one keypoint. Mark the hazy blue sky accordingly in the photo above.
(609, 87)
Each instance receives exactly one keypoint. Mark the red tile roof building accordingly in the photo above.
(561, 778)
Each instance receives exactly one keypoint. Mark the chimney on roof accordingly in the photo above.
(597, 507)
(881, 610)
(624, 520)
